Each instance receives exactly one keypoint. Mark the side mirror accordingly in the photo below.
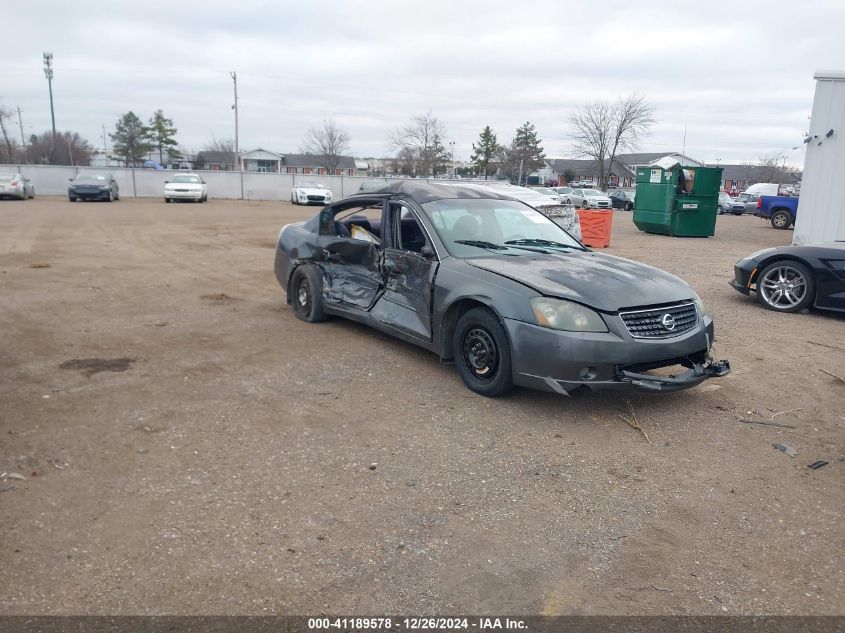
(427, 252)
(166, 182)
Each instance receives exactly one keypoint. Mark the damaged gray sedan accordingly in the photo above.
(495, 286)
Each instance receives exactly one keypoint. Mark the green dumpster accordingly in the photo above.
(680, 201)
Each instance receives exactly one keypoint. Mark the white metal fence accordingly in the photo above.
(149, 183)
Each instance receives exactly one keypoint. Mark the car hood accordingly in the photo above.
(309, 191)
(604, 282)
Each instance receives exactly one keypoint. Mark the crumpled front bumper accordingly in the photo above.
(563, 362)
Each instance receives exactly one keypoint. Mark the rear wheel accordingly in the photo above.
(71, 198)
(167, 199)
(306, 296)
(781, 219)
(482, 353)
(786, 286)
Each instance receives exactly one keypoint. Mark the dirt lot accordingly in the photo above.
(217, 457)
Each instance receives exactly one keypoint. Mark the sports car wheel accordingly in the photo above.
(307, 300)
(482, 354)
(786, 286)
(781, 219)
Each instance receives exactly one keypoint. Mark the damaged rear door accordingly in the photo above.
(410, 266)
(351, 257)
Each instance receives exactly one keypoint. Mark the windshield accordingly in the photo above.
(593, 192)
(311, 185)
(186, 178)
(98, 178)
(475, 228)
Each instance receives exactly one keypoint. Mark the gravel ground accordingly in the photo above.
(215, 456)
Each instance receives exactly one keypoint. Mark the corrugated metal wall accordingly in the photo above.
(821, 210)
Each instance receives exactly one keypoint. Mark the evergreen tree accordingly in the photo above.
(483, 153)
(131, 139)
(163, 136)
(526, 147)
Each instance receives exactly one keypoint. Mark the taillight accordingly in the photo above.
(14, 183)
(759, 203)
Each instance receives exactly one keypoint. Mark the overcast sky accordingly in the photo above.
(738, 75)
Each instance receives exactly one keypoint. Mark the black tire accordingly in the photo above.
(790, 277)
(736, 212)
(781, 219)
(111, 195)
(629, 206)
(167, 200)
(585, 204)
(117, 196)
(71, 198)
(306, 297)
(482, 353)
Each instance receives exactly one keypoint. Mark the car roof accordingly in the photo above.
(423, 191)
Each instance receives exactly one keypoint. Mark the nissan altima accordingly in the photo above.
(492, 284)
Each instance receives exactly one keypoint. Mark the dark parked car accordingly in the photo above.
(494, 285)
(623, 200)
(93, 187)
(727, 204)
(791, 278)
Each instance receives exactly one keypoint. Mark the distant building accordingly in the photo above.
(264, 161)
(740, 177)
(622, 174)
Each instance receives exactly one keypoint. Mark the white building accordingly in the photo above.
(821, 212)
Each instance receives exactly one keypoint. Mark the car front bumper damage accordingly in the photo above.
(564, 362)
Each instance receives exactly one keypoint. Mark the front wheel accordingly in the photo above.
(781, 219)
(786, 286)
(307, 299)
(629, 207)
(71, 198)
(482, 353)
(167, 200)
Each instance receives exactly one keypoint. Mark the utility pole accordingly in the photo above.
(519, 182)
(234, 76)
(105, 145)
(20, 125)
(48, 73)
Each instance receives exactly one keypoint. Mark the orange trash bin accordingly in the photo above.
(595, 227)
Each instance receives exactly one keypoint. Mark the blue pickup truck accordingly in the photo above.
(781, 210)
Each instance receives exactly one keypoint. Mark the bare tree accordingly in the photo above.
(224, 152)
(65, 148)
(329, 144)
(421, 143)
(8, 148)
(600, 130)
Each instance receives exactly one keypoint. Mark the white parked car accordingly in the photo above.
(589, 199)
(14, 185)
(310, 193)
(185, 187)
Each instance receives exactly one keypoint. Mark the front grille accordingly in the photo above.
(653, 323)
(316, 198)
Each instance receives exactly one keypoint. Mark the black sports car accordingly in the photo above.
(493, 284)
(791, 278)
(93, 187)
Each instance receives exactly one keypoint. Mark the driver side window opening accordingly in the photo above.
(360, 221)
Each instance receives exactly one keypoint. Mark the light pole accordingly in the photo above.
(48, 73)
(234, 76)
(452, 156)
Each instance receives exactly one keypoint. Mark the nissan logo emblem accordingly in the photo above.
(668, 322)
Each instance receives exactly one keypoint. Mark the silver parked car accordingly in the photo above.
(14, 185)
(587, 198)
(727, 204)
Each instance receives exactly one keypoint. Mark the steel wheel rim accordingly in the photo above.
(780, 220)
(480, 354)
(303, 297)
(783, 287)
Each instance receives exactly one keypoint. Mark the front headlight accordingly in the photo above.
(699, 305)
(558, 314)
